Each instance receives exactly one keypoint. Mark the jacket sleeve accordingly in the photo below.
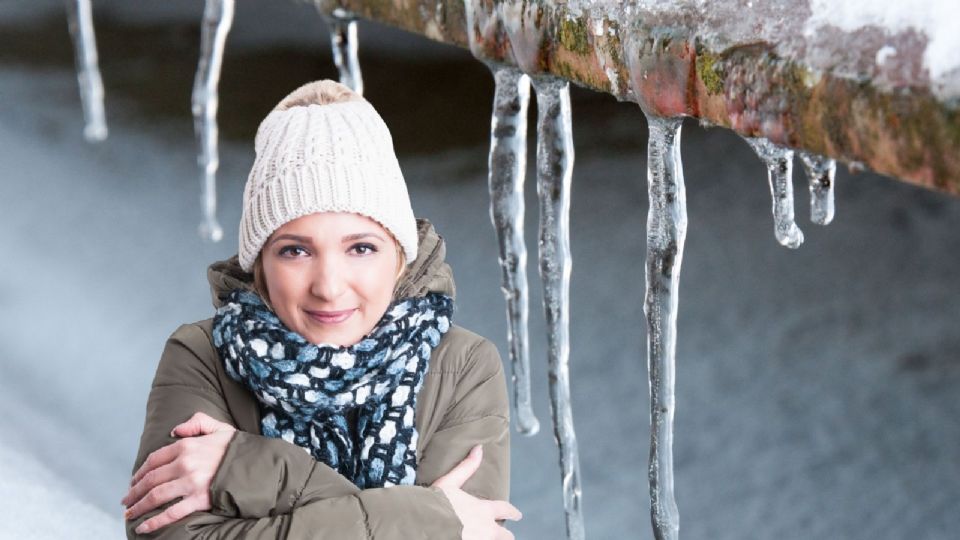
(478, 414)
(268, 488)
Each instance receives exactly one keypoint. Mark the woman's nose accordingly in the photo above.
(328, 281)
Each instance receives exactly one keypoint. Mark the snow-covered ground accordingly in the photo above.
(29, 487)
(817, 389)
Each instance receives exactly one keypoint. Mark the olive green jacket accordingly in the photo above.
(269, 488)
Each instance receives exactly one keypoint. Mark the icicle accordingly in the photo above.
(343, 38)
(217, 19)
(779, 162)
(666, 232)
(554, 169)
(821, 171)
(80, 21)
(508, 166)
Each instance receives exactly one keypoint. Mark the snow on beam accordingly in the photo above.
(875, 86)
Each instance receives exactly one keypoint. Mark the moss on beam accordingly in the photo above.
(746, 87)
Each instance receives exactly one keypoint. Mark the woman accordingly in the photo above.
(330, 396)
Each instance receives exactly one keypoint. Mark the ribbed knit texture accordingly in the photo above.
(336, 157)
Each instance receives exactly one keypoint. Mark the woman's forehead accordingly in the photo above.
(332, 224)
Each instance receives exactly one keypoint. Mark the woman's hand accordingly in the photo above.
(478, 516)
(181, 469)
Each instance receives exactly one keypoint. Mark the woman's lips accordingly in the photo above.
(330, 317)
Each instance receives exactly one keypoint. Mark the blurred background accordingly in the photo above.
(816, 389)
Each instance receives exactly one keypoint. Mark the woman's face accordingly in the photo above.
(330, 276)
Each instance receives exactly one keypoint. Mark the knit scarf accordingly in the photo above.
(306, 390)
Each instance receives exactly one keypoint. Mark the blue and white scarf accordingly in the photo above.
(306, 391)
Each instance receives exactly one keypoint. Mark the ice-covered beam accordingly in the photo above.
(878, 85)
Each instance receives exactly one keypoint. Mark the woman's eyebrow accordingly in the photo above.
(358, 236)
(294, 237)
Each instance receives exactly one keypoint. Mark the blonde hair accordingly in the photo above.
(324, 92)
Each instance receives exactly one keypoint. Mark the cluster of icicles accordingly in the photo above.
(666, 221)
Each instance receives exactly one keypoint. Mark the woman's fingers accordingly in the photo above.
(157, 458)
(505, 510)
(462, 471)
(188, 475)
(171, 515)
(150, 480)
(481, 518)
(198, 424)
(156, 497)
(183, 469)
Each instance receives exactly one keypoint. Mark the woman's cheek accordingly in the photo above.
(384, 281)
(286, 286)
(365, 272)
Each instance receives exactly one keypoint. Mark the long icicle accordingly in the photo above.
(343, 39)
(554, 171)
(666, 232)
(508, 167)
(217, 19)
(779, 162)
(821, 172)
(80, 22)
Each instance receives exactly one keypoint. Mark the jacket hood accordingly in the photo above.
(428, 273)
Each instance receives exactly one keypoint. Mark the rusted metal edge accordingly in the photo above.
(669, 71)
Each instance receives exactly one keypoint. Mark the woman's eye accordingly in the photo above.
(292, 251)
(363, 249)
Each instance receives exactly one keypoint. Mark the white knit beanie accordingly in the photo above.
(334, 157)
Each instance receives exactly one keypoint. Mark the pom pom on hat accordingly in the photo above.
(324, 148)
